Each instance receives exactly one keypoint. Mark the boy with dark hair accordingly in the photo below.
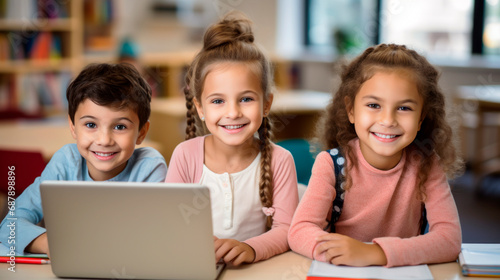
(108, 111)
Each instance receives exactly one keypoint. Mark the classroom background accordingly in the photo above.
(45, 43)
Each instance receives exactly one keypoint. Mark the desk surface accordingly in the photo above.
(285, 266)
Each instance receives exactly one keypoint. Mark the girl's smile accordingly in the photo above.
(385, 137)
(233, 128)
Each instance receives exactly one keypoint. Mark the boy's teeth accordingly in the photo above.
(387, 136)
(233, 126)
(103, 154)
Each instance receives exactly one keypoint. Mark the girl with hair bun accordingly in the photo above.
(368, 206)
(252, 181)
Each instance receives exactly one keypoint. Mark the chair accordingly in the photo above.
(302, 155)
(27, 166)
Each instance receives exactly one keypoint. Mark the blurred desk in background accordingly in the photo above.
(294, 114)
(481, 110)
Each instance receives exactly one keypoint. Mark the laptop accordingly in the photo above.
(125, 230)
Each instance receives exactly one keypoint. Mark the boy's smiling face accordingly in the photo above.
(106, 137)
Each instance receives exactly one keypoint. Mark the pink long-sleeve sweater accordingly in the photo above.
(186, 166)
(380, 207)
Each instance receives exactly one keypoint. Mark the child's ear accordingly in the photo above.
(72, 128)
(142, 133)
(267, 104)
(199, 109)
(349, 108)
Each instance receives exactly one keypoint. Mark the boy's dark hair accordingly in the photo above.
(111, 85)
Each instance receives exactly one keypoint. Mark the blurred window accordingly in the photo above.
(444, 28)
(491, 34)
(341, 26)
(432, 27)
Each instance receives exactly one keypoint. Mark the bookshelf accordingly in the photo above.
(167, 70)
(41, 46)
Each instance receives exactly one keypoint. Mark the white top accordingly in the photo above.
(236, 206)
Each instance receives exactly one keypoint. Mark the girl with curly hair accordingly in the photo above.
(387, 119)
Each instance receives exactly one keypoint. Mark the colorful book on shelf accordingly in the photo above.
(41, 46)
(56, 47)
(51, 9)
(18, 45)
(325, 271)
(4, 48)
(480, 259)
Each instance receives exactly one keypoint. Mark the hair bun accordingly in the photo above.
(234, 27)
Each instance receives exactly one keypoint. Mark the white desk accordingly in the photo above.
(289, 266)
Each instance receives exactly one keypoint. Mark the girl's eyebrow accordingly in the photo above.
(219, 94)
(409, 100)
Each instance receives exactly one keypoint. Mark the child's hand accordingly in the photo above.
(39, 245)
(343, 250)
(233, 251)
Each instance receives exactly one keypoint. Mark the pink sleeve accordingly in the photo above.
(311, 216)
(186, 163)
(285, 199)
(443, 241)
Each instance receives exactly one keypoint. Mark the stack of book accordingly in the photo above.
(480, 260)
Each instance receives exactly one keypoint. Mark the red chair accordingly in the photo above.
(25, 165)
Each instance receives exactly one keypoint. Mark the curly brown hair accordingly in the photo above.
(435, 138)
(232, 40)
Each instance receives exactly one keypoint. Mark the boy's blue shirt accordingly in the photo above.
(145, 165)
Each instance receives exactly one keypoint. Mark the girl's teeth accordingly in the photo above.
(233, 126)
(386, 136)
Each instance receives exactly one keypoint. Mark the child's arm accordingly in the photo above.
(311, 216)
(64, 165)
(20, 229)
(443, 241)
(40, 245)
(285, 199)
(186, 164)
(340, 249)
(233, 251)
